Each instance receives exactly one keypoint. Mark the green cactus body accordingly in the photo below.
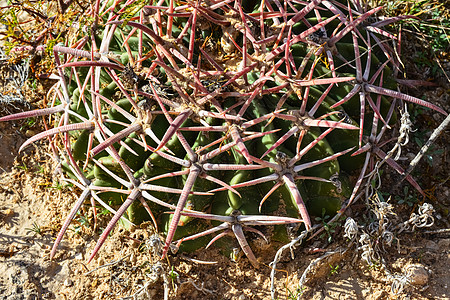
(223, 105)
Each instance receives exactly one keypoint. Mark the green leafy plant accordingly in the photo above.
(23, 167)
(81, 221)
(330, 227)
(333, 270)
(36, 229)
(30, 122)
(409, 197)
(59, 185)
(420, 139)
(40, 169)
(292, 295)
(430, 24)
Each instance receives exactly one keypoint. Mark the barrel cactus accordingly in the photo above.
(219, 116)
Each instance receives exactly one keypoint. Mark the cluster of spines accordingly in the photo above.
(199, 113)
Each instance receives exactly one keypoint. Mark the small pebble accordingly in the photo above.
(68, 282)
(436, 116)
(29, 133)
(101, 261)
(431, 245)
(7, 213)
(133, 258)
(418, 275)
(444, 244)
(377, 295)
(410, 155)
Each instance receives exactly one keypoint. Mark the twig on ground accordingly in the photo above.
(424, 149)
(156, 272)
(312, 264)
(197, 261)
(440, 65)
(107, 265)
(438, 231)
(200, 288)
(280, 251)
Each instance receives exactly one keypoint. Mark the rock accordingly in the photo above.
(68, 282)
(431, 245)
(417, 274)
(7, 213)
(436, 116)
(377, 295)
(444, 244)
(410, 156)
